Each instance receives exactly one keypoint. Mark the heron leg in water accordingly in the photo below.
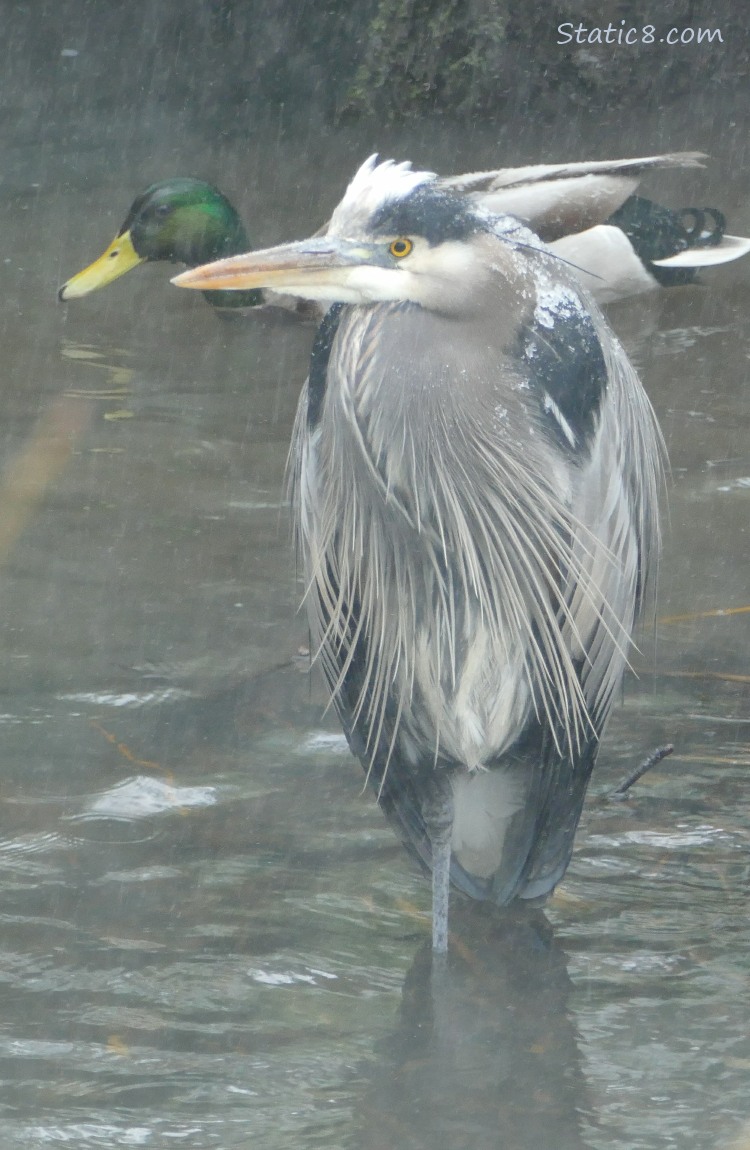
(437, 811)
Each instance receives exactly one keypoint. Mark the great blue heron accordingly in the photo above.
(621, 243)
(475, 471)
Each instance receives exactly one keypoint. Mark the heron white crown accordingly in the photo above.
(375, 184)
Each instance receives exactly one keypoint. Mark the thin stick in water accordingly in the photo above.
(650, 761)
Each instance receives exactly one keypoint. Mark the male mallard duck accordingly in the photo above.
(620, 244)
(177, 221)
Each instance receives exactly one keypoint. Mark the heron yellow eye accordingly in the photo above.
(400, 248)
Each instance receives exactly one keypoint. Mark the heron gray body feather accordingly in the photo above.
(475, 494)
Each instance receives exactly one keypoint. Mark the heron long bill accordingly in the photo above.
(318, 268)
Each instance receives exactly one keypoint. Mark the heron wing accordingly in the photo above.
(544, 566)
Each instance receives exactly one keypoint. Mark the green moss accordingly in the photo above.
(428, 55)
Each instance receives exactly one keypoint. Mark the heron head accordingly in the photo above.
(396, 235)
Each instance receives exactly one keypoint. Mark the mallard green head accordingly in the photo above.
(178, 221)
